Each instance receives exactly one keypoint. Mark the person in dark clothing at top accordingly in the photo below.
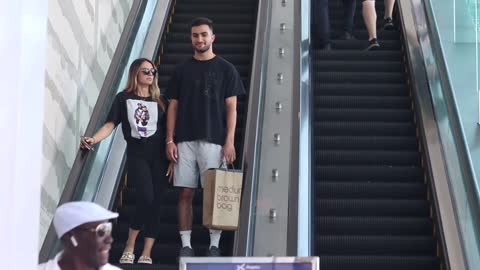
(201, 123)
(141, 111)
(322, 18)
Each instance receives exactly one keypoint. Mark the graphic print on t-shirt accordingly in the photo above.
(143, 117)
(207, 84)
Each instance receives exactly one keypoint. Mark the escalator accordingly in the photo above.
(371, 203)
(234, 26)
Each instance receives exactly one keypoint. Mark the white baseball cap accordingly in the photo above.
(73, 214)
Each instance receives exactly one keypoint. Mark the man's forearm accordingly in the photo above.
(171, 119)
(231, 123)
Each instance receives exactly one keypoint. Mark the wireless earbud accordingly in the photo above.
(74, 241)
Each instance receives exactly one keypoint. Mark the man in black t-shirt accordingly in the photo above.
(201, 123)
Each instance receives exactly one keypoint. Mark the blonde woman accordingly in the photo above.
(141, 111)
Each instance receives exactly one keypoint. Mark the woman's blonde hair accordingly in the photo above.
(132, 81)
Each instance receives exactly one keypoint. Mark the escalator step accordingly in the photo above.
(367, 157)
(380, 102)
(365, 143)
(337, 23)
(386, 35)
(349, 66)
(356, 55)
(380, 115)
(362, 34)
(359, 77)
(379, 262)
(369, 173)
(369, 190)
(364, 89)
(346, 128)
(386, 45)
(374, 226)
(375, 245)
(371, 208)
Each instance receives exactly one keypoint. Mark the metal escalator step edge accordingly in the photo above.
(354, 262)
(369, 174)
(368, 190)
(393, 226)
(405, 143)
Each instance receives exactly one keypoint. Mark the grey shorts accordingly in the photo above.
(195, 157)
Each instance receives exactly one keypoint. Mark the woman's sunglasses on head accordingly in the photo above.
(148, 71)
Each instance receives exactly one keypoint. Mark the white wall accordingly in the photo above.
(23, 25)
(82, 38)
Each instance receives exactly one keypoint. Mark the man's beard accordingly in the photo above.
(203, 50)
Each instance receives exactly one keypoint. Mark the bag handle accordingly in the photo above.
(224, 164)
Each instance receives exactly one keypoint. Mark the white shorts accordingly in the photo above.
(194, 158)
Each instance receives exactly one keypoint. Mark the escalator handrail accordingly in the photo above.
(116, 67)
(243, 243)
(300, 192)
(417, 35)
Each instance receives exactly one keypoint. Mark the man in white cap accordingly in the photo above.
(85, 232)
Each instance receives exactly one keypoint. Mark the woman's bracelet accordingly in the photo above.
(169, 142)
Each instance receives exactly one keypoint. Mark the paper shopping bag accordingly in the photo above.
(222, 189)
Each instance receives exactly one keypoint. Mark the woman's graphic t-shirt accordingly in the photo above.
(143, 120)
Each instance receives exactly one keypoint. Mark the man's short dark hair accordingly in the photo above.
(202, 21)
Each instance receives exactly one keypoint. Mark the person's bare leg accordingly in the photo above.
(147, 246)
(389, 8)
(370, 18)
(132, 237)
(185, 213)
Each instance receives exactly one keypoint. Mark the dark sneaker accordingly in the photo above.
(388, 24)
(347, 36)
(373, 45)
(186, 252)
(214, 252)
